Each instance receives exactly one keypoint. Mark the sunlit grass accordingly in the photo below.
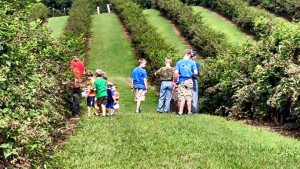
(165, 29)
(57, 25)
(151, 140)
(220, 24)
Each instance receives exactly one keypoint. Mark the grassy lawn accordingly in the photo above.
(151, 140)
(218, 23)
(164, 27)
(57, 25)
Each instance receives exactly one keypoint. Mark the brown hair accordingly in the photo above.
(99, 73)
(141, 60)
(89, 73)
(168, 60)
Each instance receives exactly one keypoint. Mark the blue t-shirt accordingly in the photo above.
(198, 66)
(186, 69)
(138, 76)
(110, 95)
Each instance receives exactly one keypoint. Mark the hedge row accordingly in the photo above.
(79, 21)
(209, 42)
(256, 82)
(148, 43)
(253, 20)
(260, 82)
(289, 9)
(33, 86)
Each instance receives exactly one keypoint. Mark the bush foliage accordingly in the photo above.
(289, 9)
(38, 11)
(31, 82)
(79, 20)
(34, 83)
(260, 82)
(256, 21)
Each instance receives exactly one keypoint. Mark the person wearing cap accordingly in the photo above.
(139, 83)
(166, 74)
(100, 86)
(184, 71)
(195, 84)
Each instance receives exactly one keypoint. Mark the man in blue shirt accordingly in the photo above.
(185, 70)
(139, 83)
(195, 84)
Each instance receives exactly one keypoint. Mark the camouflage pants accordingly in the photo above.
(185, 90)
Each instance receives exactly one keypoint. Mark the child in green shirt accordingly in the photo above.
(101, 91)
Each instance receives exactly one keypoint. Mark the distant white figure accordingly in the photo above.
(108, 7)
(98, 10)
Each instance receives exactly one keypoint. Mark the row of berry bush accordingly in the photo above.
(259, 82)
(289, 9)
(207, 41)
(148, 43)
(256, 21)
(33, 75)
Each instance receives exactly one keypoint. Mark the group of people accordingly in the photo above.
(100, 94)
(180, 82)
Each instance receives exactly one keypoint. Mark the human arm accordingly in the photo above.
(145, 76)
(199, 68)
(195, 68)
(146, 84)
(158, 72)
(175, 78)
(132, 84)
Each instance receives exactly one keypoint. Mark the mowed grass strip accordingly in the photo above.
(57, 25)
(167, 31)
(215, 21)
(151, 140)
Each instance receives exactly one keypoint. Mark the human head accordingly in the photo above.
(75, 58)
(168, 60)
(142, 62)
(187, 53)
(193, 55)
(99, 73)
(110, 84)
(89, 74)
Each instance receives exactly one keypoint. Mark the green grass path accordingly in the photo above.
(151, 140)
(220, 24)
(57, 25)
(165, 28)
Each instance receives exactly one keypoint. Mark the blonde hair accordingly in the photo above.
(187, 52)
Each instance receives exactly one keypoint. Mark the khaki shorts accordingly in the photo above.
(185, 90)
(140, 95)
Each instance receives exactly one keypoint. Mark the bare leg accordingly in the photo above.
(138, 105)
(181, 106)
(103, 106)
(189, 106)
(89, 111)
